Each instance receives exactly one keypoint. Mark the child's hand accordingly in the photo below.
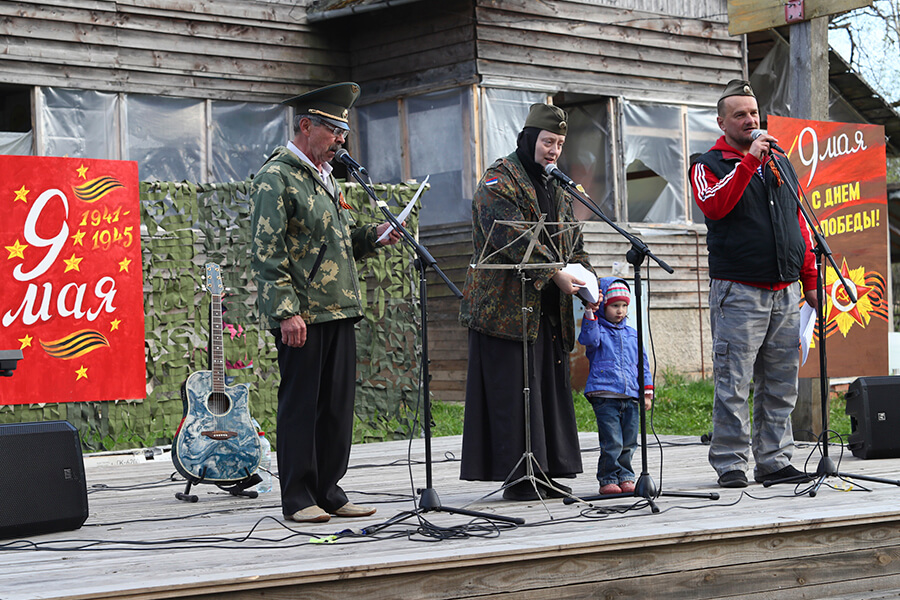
(648, 399)
(593, 307)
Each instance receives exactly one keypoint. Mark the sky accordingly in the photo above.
(879, 61)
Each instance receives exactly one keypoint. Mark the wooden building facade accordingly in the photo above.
(446, 86)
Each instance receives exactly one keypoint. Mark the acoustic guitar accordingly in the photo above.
(216, 441)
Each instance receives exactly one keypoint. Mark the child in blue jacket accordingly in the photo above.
(612, 385)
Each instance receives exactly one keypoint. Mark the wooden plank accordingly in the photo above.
(398, 48)
(185, 25)
(745, 16)
(625, 38)
(609, 15)
(174, 64)
(585, 66)
(150, 82)
(765, 545)
(523, 75)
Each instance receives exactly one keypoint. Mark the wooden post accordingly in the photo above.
(808, 94)
(809, 70)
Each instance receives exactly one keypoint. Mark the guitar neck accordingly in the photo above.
(216, 349)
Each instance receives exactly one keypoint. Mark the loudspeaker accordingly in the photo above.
(42, 487)
(873, 404)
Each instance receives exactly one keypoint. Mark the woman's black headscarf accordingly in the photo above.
(525, 145)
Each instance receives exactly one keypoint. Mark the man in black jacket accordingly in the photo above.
(759, 247)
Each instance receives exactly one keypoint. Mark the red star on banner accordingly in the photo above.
(840, 302)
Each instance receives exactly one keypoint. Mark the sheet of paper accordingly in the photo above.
(402, 216)
(807, 326)
(591, 290)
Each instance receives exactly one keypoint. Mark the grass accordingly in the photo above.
(682, 407)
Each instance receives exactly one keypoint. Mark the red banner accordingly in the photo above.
(841, 167)
(72, 280)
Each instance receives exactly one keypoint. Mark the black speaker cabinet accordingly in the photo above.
(873, 404)
(42, 487)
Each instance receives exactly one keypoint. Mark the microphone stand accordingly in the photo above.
(428, 496)
(645, 487)
(826, 467)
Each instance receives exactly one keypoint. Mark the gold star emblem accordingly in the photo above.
(77, 239)
(21, 194)
(72, 263)
(26, 342)
(114, 324)
(17, 250)
(82, 373)
(123, 266)
(82, 171)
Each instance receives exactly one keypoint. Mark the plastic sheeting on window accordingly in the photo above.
(587, 156)
(165, 136)
(79, 123)
(771, 84)
(655, 164)
(703, 131)
(503, 113)
(440, 133)
(380, 146)
(15, 143)
(243, 135)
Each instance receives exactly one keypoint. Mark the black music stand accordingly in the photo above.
(826, 467)
(645, 487)
(532, 231)
(429, 501)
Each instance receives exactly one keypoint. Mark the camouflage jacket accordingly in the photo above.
(492, 298)
(304, 245)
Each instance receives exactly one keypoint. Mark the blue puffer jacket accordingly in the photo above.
(612, 352)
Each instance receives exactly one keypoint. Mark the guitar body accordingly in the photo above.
(216, 441)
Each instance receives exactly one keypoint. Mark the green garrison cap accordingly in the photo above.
(737, 87)
(549, 117)
(331, 103)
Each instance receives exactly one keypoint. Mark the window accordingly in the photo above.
(425, 135)
(587, 156)
(655, 165)
(15, 120)
(172, 139)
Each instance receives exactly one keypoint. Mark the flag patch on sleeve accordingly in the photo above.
(491, 181)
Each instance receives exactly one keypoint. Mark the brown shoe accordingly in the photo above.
(353, 510)
(310, 514)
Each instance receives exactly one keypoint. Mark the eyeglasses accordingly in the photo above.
(335, 131)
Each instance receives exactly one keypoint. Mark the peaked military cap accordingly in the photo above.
(330, 103)
(548, 117)
(737, 87)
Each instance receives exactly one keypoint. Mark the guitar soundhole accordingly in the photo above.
(218, 403)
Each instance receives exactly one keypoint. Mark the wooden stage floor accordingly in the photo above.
(139, 542)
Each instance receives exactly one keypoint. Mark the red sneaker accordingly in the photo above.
(627, 487)
(610, 488)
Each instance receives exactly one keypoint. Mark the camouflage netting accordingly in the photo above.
(184, 226)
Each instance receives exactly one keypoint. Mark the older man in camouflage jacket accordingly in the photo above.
(516, 188)
(304, 248)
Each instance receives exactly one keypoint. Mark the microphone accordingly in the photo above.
(552, 169)
(758, 132)
(344, 156)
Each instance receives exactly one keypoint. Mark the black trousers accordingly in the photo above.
(315, 415)
(494, 428)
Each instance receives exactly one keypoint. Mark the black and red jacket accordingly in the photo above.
(756, 233)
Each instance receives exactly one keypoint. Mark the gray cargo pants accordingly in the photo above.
(756, 334)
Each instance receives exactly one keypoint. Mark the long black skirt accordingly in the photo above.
(494, 428)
